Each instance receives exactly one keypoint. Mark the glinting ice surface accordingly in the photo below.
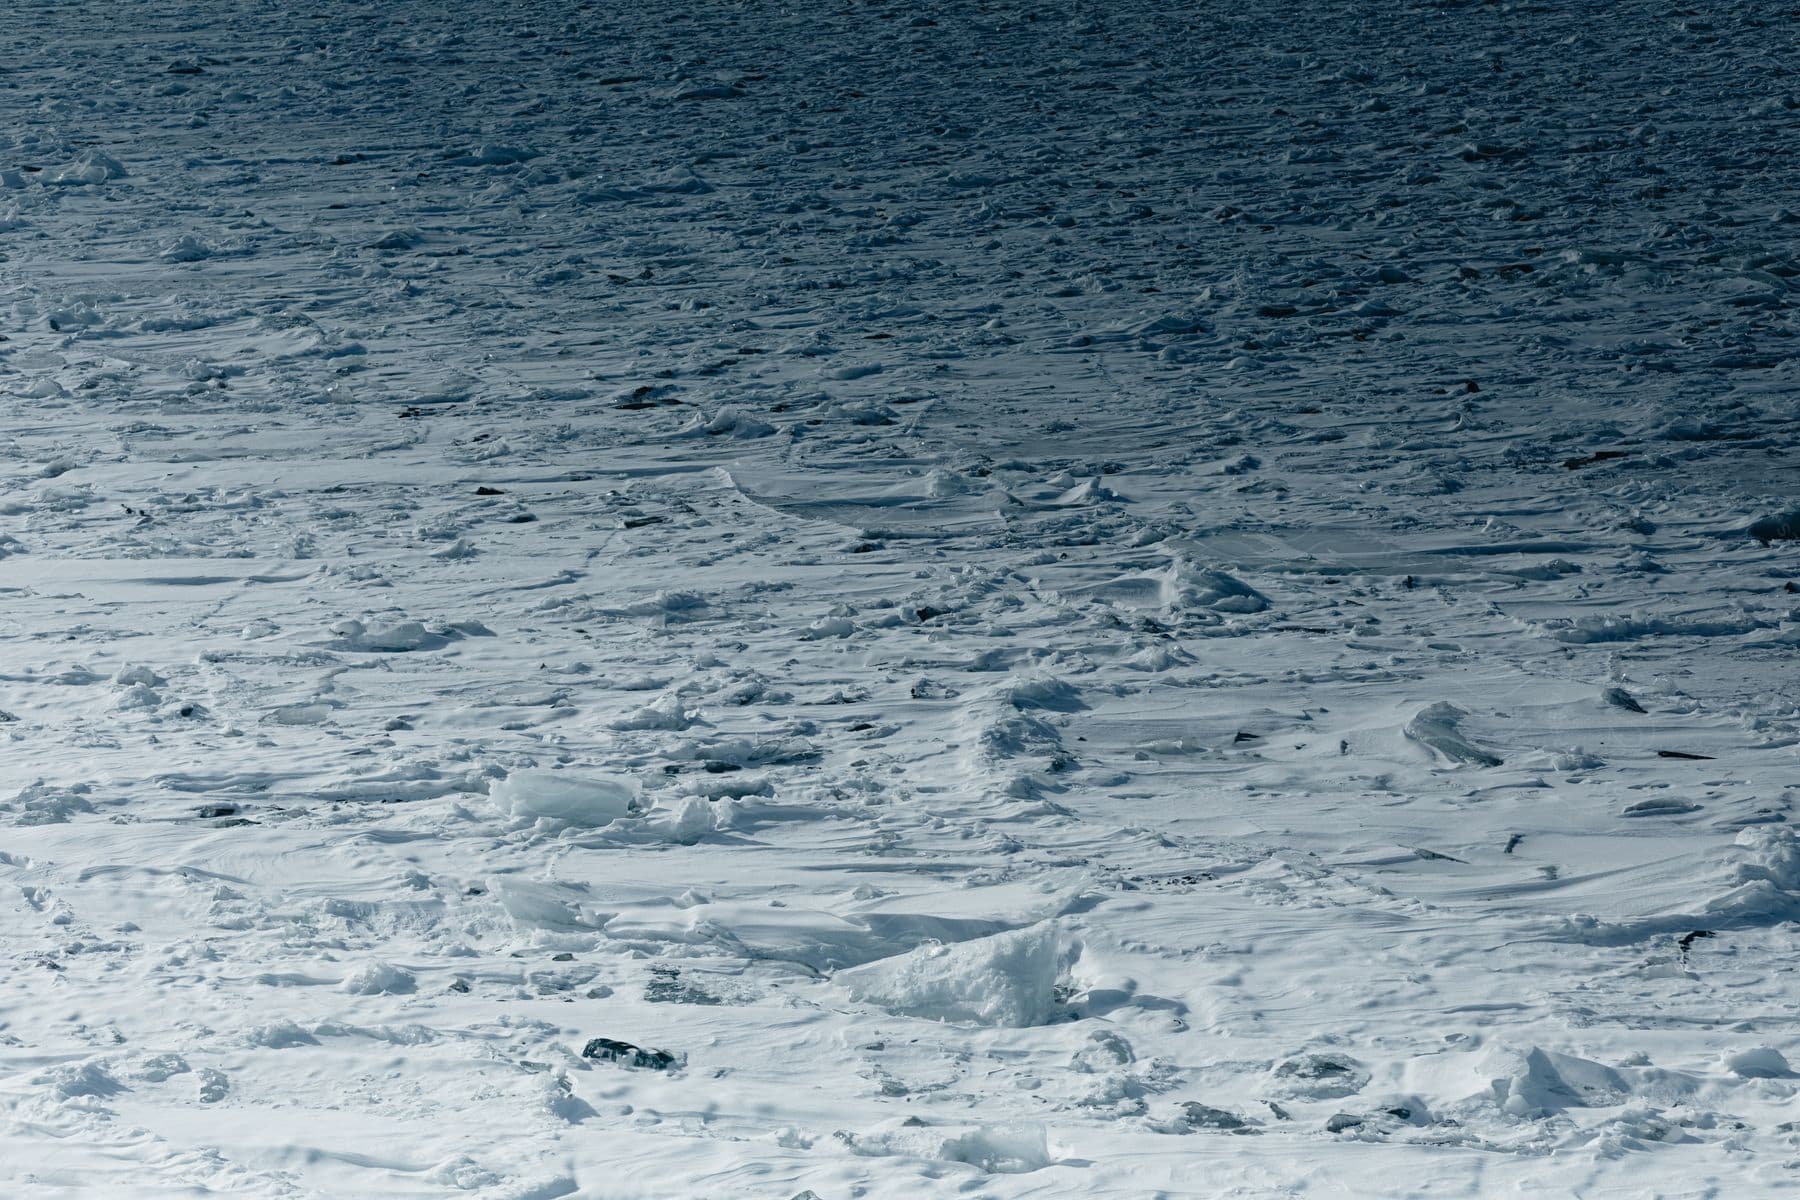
(1019, 599)
(560, 796)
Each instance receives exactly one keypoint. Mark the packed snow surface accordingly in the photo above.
(1022, 598)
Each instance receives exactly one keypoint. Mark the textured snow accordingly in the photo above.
(1017, 598)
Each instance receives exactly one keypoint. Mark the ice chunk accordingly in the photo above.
(577, 799)
(666, 712)
(1531, 1082)
(687, 821)
(1435, 727)
(534, 905)
(91, 167)
(1757, 1062)
(1008, 979)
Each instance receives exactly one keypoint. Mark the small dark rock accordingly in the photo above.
(209, 811)
(1204, 1116)
(1598, 456)
(489, 491)
(628, 1055)
(1688, 939)
(1618, 697)
(1315, 1066)
(1784, 527)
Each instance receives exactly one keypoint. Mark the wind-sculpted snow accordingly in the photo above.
(1006, 599)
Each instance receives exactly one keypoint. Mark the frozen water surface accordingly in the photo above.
(832, 600)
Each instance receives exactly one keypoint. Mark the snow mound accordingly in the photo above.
(40, 803)
(1043, 691)
(728, 420)
(91, 167)
(398, 638)
(1533, 1082)
(1762, 868)
(1526, 1082)
(186, 248)
(79, 1081)
(579, 800)
(1009, 979)
(379, 979)
(1207, 588)
(1754, 882)
(1757, 1062)
(1183, 586)
(990, 1149)
(666, 712)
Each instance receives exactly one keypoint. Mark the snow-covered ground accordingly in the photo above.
(997, 599)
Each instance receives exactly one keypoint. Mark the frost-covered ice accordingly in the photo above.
(1006, 599)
